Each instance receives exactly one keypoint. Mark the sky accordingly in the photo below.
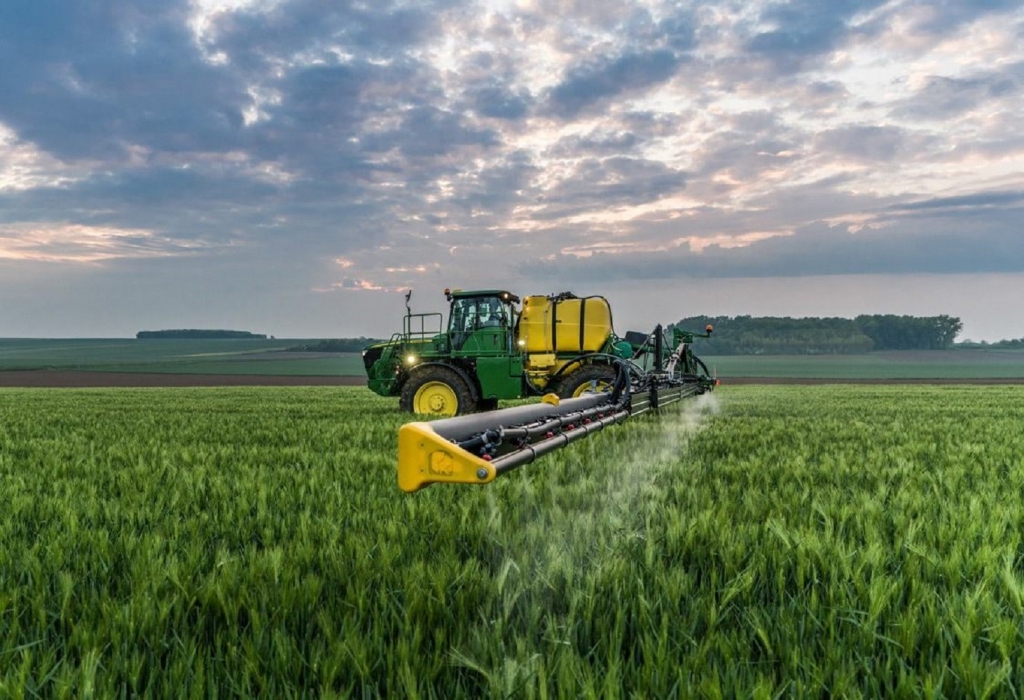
(292, 167)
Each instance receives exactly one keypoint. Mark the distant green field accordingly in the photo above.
(219, 356)
(924, 364)
(268, 357)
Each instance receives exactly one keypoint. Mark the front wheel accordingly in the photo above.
(436, 391)
(588, 379)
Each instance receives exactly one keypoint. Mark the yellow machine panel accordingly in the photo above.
(565, 325)
(540, 374)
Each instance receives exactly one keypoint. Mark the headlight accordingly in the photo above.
(410, 360)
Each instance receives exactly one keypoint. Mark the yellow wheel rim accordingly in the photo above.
(437, 398)
(599, 386)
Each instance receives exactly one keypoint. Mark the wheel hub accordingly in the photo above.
(437, 398)
(591, 387)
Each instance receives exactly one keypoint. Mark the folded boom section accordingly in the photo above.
(478, 448)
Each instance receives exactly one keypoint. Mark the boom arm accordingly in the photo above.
(476, 449)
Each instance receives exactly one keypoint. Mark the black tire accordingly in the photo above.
(488, 405)
(437, 391)
(580, 381)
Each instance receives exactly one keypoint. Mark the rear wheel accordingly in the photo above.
(587, 379)
(436, 391)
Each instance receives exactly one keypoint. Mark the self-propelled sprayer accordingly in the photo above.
(559, 346)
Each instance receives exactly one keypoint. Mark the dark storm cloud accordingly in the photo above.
(589, 84)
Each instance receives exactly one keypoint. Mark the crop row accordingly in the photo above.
(848, 541)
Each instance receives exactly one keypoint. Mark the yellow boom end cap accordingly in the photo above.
(424, 458)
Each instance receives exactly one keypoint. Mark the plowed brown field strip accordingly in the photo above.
(72, 379)
(78, 379)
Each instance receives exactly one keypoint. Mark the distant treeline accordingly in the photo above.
(766, 335)
(193, 334)
(336, 345)
(1014, 344)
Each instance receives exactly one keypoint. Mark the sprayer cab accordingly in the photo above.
(481, 321)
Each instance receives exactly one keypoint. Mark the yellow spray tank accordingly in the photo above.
(558, 325)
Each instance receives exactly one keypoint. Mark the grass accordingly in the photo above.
(840, 541)
(930, 364)
(291, 364)
(213, 356)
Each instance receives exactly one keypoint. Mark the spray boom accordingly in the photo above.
(478, 448)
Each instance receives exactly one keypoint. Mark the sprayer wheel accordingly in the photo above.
(587, 379)
(436, 391)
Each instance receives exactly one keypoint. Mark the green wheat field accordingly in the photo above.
(821, 541)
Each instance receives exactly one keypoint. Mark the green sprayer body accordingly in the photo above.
(492, 349)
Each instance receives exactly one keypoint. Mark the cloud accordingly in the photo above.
(869, 142)
(679, 31)
(63, 242)
(801, 30)
(971, 202)
(944, 97)
(290, 31)
(611, 182)
(460, 140)
(88, 80)
(428, 131)
(598, 142)
(946, 16)
(968, 234)
(589, 84)
(499, 102)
